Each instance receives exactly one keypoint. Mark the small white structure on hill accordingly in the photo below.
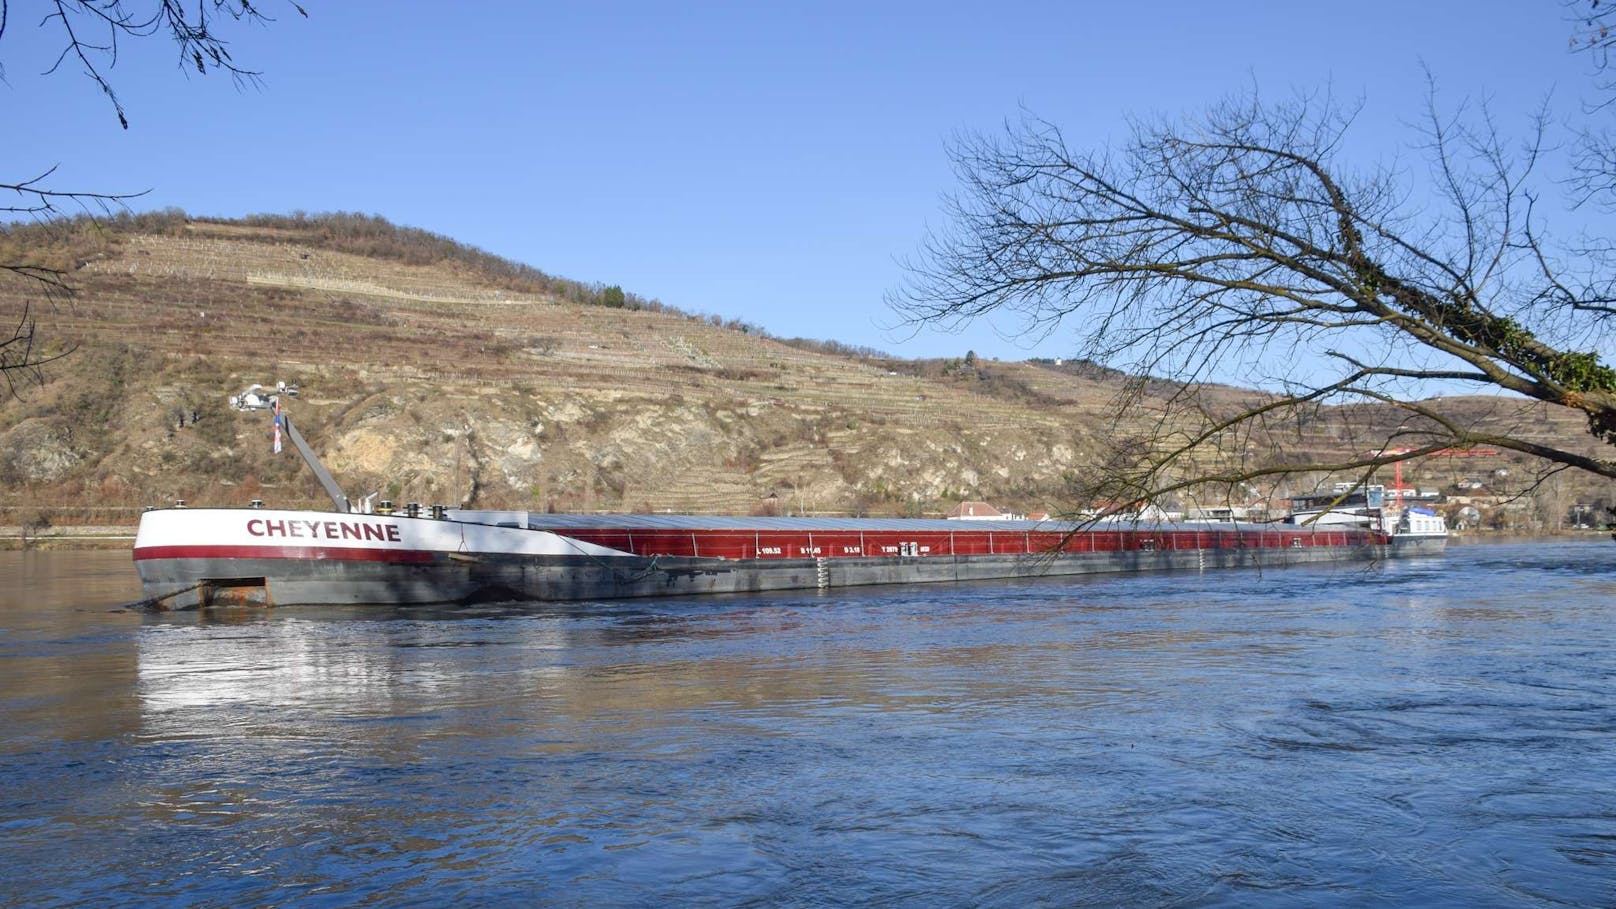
(257, 397)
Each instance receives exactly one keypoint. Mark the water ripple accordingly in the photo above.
(1429, 733)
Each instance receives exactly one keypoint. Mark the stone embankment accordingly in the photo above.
(67, 536)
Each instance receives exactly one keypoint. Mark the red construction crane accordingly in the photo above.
(1397, 487)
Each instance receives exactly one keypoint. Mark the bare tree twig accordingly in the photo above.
(91, 31)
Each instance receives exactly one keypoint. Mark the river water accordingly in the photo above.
(1437, 732)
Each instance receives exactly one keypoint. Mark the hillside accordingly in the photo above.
(434, 373)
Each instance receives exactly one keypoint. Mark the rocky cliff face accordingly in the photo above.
(426, 382)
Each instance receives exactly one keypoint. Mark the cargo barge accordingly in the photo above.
(199, 557)
(192, 557)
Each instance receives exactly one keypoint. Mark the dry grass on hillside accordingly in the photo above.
(432, 374)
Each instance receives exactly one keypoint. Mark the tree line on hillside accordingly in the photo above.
(64, 244)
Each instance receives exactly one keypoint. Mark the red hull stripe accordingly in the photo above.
(413, 556)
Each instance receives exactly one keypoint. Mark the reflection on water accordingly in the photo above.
(1428, 733)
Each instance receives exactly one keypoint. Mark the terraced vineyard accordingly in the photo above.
(428, 382)
(436, 382)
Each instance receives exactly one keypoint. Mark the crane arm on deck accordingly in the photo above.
(320, 473)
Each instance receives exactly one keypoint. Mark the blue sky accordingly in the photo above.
(765, 161)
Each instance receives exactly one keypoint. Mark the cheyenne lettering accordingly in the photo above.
(324, 530)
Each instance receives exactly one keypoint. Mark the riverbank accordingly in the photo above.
(67, 536)
(1549, 536)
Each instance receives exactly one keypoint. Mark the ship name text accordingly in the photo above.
(324, 530)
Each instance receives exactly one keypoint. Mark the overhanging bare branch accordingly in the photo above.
(1196, 251)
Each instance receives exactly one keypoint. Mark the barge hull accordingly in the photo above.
(218, 557)
(445, 580)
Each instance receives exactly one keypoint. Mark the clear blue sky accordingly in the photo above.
(765, 161)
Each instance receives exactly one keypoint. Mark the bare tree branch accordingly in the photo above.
(90, 31)
(1593, 34)
(1199, 250)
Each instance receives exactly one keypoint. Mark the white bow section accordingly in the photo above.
(281, 530)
